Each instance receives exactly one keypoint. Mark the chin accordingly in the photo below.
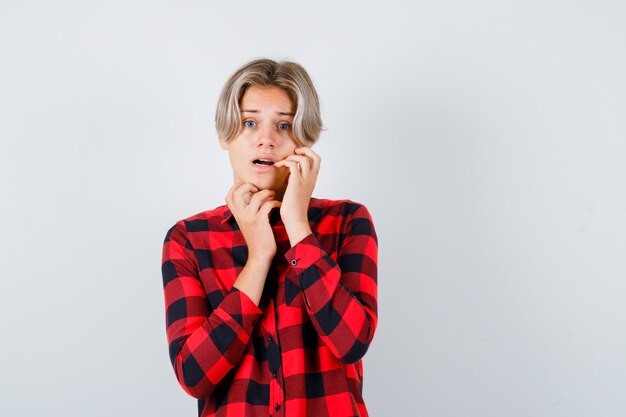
(261, 185)
(268, 183)
(274, 187)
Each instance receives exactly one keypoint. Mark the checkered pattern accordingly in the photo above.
(299, 352)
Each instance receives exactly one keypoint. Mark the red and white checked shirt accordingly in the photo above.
(299, 352)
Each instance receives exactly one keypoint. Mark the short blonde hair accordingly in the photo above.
(291, 77)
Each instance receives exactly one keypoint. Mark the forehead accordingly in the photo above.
(266, 99)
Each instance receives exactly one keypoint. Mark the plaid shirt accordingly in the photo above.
(299, 352)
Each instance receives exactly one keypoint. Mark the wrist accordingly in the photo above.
(260, 259)
(297, 231)
(251, 279)
(294, 219)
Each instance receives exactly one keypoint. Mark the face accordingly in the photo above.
(266, 137)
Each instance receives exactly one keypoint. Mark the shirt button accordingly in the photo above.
(277, 408)
(274, 374)
(270, 339)
(294, 262)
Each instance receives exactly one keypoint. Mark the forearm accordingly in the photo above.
(346, 322)
(221, 336)
(205, 341)
(297, 231)
(251, 279)
(205, 347)
(340, 297)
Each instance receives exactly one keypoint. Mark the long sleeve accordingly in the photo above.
(204, 344)
(341, 295)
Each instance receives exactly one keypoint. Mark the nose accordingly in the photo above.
(266, 136)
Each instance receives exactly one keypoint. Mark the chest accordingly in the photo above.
(221, 255)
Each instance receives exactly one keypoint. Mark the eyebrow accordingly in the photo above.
(282, 113)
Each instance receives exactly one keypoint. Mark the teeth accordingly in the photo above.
(263, 162)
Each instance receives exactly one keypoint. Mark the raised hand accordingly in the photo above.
(251, 209)
(304, 167)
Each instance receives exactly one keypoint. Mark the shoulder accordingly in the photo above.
(347, 216)
(199, 222)
(340, 208)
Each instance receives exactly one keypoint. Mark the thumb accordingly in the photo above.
(268, 206)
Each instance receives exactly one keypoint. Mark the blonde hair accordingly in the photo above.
(291, 77)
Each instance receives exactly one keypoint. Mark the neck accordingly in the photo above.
(280, 193)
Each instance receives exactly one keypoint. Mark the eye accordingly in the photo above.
(284, 126)
(249, 123)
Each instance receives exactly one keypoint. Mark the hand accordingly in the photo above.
(251, 209)
(304, 167)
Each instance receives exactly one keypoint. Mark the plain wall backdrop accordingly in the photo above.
(487, 138)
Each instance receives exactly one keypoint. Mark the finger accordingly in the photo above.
(231, 189)
(317, 160)
(304, 161)
(268, 206)
(259, 198)
(235, 187)
(292, 165)
(243, 194)
(229, 195)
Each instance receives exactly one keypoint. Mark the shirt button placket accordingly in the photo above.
(274, 363)
(276, 390)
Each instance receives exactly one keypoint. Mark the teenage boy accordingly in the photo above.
(271, 300)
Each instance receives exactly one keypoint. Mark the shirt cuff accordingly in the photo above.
(304, 254)
(238, 310)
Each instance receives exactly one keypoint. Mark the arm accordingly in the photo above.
(341, 297)
(204, 344)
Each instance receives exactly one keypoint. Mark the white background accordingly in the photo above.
(487, 138)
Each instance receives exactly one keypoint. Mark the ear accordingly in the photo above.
(224, 144)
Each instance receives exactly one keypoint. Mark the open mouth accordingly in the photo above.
(263, 162)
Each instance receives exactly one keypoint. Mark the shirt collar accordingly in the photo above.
(227, 215)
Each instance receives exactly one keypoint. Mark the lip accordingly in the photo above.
(263, 168)
(265, 156)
